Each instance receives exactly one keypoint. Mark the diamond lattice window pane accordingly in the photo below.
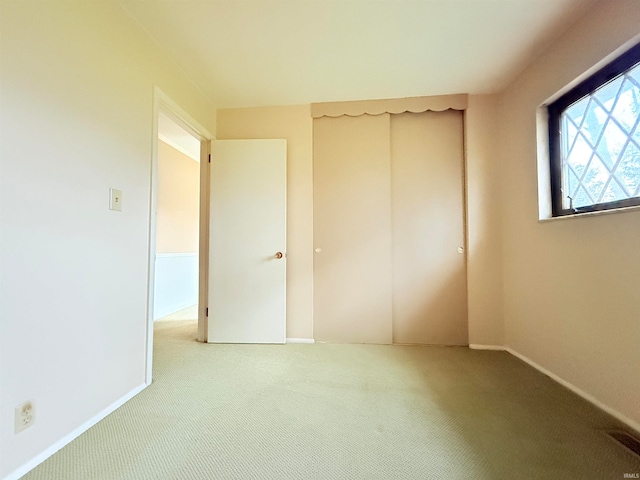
(569, 138)
(576, 111)
(636, 134)
(600, 144)
(607, 94)
(625, 110)
(634, 73)
(572, 181)
(581, 198)
(594, 119)
(611, 144)
(579, 154)
(628, 171)
(595, 178)
(613, 192)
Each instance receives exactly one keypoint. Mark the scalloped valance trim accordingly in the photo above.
(357, 108)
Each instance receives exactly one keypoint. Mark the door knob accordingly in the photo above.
(279, 255)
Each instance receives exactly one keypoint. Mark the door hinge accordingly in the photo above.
(206, 312)
(209, 158)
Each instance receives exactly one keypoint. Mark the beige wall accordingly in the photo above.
(76, 118)
(529, 285)
(294, 124)
(483, 216)
(178, 201)
(484, 222)
(571, 286)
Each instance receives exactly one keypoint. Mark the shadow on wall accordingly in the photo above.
(430, 307)
(426, 301)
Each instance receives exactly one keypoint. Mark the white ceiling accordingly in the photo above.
(280, 52)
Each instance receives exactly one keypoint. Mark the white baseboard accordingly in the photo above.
(614, 413)
(589, 398)
(477, 346)
(38, 459)
(300, 340)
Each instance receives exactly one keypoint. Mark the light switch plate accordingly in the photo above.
(115, 199)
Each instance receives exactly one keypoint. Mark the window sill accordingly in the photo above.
(635, 208)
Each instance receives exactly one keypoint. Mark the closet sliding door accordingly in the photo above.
(352, 229)
(427, 193)
(389, 261)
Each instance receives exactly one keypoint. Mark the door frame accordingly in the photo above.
(162, 103)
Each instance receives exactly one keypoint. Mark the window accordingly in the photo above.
(595, 140)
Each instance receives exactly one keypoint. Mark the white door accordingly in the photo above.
(247, 246)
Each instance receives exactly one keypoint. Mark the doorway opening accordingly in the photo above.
(179, 221)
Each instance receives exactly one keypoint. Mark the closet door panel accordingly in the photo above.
(429, 272)
(352, 229)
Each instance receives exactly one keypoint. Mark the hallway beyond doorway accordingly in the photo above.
(189, 313)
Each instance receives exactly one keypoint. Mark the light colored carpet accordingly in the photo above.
(342, 412)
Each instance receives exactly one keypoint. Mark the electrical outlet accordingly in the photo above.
(25, 416)
(115, 199)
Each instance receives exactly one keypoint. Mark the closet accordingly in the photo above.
(389, 261)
